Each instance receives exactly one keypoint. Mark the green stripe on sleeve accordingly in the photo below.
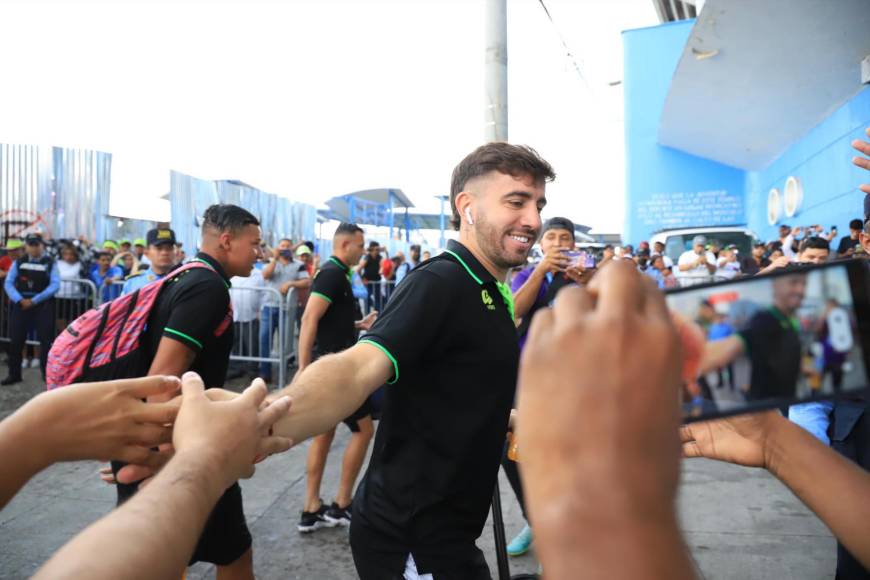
(324, 296)
(182, 335)
(389, 356)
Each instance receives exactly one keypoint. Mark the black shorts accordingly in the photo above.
(364, 411)
(226, 536)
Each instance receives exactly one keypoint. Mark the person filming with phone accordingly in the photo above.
(536, 286)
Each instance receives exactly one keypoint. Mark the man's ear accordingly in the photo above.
(224, 240)
(463, 205)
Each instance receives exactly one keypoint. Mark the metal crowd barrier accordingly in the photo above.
(687, 280)
(379, 293)
(74, 298)
(255, 348)
(109, 290)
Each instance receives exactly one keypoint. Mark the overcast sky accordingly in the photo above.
(311, 99)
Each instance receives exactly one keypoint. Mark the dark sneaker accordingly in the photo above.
(10, 381)
(311, 521)
(338, 516)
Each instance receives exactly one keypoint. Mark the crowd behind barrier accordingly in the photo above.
(80, 294)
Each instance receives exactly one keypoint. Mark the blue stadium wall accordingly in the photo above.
(666, 188)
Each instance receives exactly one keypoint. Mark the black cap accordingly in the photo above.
(559, 223)
(33, 239)
(159, 236)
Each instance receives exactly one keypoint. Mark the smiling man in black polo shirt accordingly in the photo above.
(447, 345)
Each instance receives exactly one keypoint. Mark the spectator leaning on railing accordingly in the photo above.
(103, 275)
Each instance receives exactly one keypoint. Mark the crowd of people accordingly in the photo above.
(709, 260)
(466, 357)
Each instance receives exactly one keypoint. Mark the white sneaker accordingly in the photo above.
(25, 363)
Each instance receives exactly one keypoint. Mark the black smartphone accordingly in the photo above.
(800, 334)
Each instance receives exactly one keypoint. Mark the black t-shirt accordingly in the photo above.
(194, 309)
(454, 348)
(774, 349)
(372, 268)
(335, 330)
(846, 242)
(750, 267)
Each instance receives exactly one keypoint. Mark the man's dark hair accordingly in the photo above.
(106, 254)
(856, 225)
(608, 247)
(347, 229)
(225, 217)
(309, 244)
(373, 245)
(815, 243)
(514, 160)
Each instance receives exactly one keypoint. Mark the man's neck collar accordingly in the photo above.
(214, 263)
(472, 262)
(472, 248)
(342, 262)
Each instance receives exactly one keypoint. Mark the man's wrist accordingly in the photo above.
(775, 443)
(29, 443)
(205, 465)
(597, 535)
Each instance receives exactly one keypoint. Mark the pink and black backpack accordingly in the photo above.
(104, 343)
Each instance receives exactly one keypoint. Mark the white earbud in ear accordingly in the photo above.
(468, 216)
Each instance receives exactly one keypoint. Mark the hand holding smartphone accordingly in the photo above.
(798, 335)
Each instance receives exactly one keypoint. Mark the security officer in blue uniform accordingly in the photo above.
(161, 254)
(31, 285)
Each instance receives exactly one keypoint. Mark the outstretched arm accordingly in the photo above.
(154, 534)
(835, 488)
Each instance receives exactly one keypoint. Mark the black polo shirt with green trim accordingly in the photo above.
(773, 345)
(335, 330)
(449, 331)
(194, 309)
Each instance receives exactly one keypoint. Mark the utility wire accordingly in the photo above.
(568, 52)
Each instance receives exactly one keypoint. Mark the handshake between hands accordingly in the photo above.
(110, 420)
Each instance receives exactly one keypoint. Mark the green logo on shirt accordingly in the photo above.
(487, 299)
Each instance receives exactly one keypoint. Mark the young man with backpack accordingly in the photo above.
(181, 323)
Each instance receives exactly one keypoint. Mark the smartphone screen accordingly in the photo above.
(770, 341)
(574, 256)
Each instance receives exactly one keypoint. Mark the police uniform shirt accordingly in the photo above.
(335, 329)
(449, 332)
(136, 281)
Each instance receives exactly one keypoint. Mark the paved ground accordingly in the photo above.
(739, 523)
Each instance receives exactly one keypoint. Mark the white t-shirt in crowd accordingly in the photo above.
(787, 250)
(728, 270)
(246, 303)
(689, 257)
(68, 271)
